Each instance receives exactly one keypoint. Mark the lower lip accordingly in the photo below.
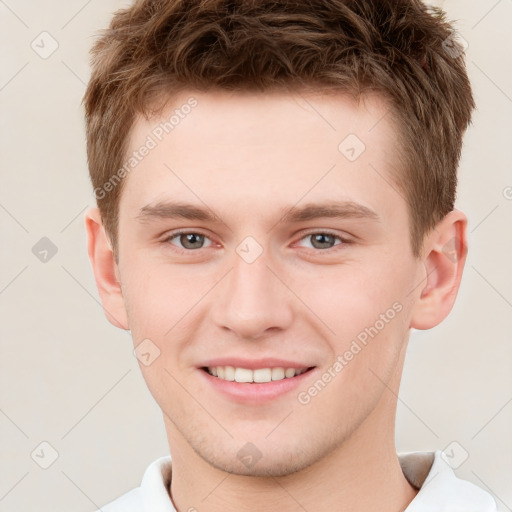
(255, 392)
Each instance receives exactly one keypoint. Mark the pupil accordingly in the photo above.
(191, 239)
(321, 239)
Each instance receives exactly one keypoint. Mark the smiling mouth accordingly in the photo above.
(257, 376)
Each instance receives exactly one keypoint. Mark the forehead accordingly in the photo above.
(260, 150)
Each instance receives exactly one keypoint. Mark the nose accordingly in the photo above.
(252, 300)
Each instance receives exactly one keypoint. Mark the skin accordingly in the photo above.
(247, 156)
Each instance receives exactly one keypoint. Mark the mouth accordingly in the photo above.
(255, 381)
(254, 376)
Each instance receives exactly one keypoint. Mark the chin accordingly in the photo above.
(250, 461)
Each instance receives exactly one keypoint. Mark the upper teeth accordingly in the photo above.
(260, 375)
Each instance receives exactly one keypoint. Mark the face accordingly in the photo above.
(264, 232)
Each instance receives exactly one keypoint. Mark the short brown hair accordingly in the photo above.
(401, 49)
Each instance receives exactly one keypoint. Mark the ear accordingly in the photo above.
(105, 268)
(444, 257)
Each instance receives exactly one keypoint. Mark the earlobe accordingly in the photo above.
(106, 271)
(445, 256)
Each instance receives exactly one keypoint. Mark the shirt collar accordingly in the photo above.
(439, 488)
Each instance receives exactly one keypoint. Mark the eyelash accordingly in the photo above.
(344, 241)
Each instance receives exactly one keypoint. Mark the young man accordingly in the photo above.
(275, 184)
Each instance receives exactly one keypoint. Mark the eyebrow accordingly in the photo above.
(310, 211)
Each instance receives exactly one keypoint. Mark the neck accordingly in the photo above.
(363, 474)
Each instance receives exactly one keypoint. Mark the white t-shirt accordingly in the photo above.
(440, 490)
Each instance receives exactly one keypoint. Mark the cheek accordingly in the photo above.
(368, 310)
(350, 298)
(157, 295)
(157, 299)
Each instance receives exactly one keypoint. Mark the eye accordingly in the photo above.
(324, 240)
(192, 240)
(189, 240)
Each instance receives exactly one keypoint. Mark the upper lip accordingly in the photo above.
(254, 364)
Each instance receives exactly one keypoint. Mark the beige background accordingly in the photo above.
(70, 379)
